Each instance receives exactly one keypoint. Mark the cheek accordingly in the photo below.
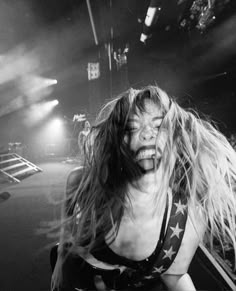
(162, 139)
(130, 140)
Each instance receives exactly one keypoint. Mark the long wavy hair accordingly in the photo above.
(197, 161)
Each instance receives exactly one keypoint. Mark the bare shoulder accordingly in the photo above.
(74, 178)
(193, 236)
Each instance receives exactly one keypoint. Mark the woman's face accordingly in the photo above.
(141, 135)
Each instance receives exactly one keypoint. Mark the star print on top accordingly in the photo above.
(137, 275)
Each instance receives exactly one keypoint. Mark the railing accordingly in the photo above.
(14, 167)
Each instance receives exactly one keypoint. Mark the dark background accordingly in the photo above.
(54, 40)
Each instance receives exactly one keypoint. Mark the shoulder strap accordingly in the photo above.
(171, 242)
(174, 234)
(162, 233)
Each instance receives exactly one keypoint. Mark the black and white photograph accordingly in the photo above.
(117, 145)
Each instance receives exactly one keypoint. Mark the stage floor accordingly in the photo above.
(25, 209)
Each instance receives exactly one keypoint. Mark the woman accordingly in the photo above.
(82, 137)
(155, 180)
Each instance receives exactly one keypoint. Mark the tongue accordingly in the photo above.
(147, 164)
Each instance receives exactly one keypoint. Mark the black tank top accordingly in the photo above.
(140, 274)
(107, 255)
(137, 275)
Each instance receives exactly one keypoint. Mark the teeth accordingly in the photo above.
(146, 154)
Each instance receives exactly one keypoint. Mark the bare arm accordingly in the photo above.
(178, 282)
(81, 140)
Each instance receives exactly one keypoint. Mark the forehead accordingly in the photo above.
(149, 108)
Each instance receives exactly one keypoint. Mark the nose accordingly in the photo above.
(147, 133)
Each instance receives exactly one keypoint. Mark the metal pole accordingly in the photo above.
(92, 22)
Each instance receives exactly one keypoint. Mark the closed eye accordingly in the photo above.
(157, 126)
(131, 128)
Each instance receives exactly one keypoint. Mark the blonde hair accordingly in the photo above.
(197, 160)
(206, 171)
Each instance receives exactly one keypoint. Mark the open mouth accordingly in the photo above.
(148, 158)
(146, 154)
(148, 165)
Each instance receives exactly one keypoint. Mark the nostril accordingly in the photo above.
(147, 135)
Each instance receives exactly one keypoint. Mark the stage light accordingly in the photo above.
(151, 17)
(54, 130)
(143, 37)
(38, 112)
(51, 81)
(51, 136)
(49, 105)
(56, 124)
(54, 102)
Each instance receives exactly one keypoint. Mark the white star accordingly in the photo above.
(176, 230)
(168, 253)
(158, 270)
(179, 207)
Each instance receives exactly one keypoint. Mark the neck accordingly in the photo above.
(144, 190)
(145, 197)
(146, 193)
(149, 183)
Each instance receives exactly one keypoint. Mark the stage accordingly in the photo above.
(25, 209)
